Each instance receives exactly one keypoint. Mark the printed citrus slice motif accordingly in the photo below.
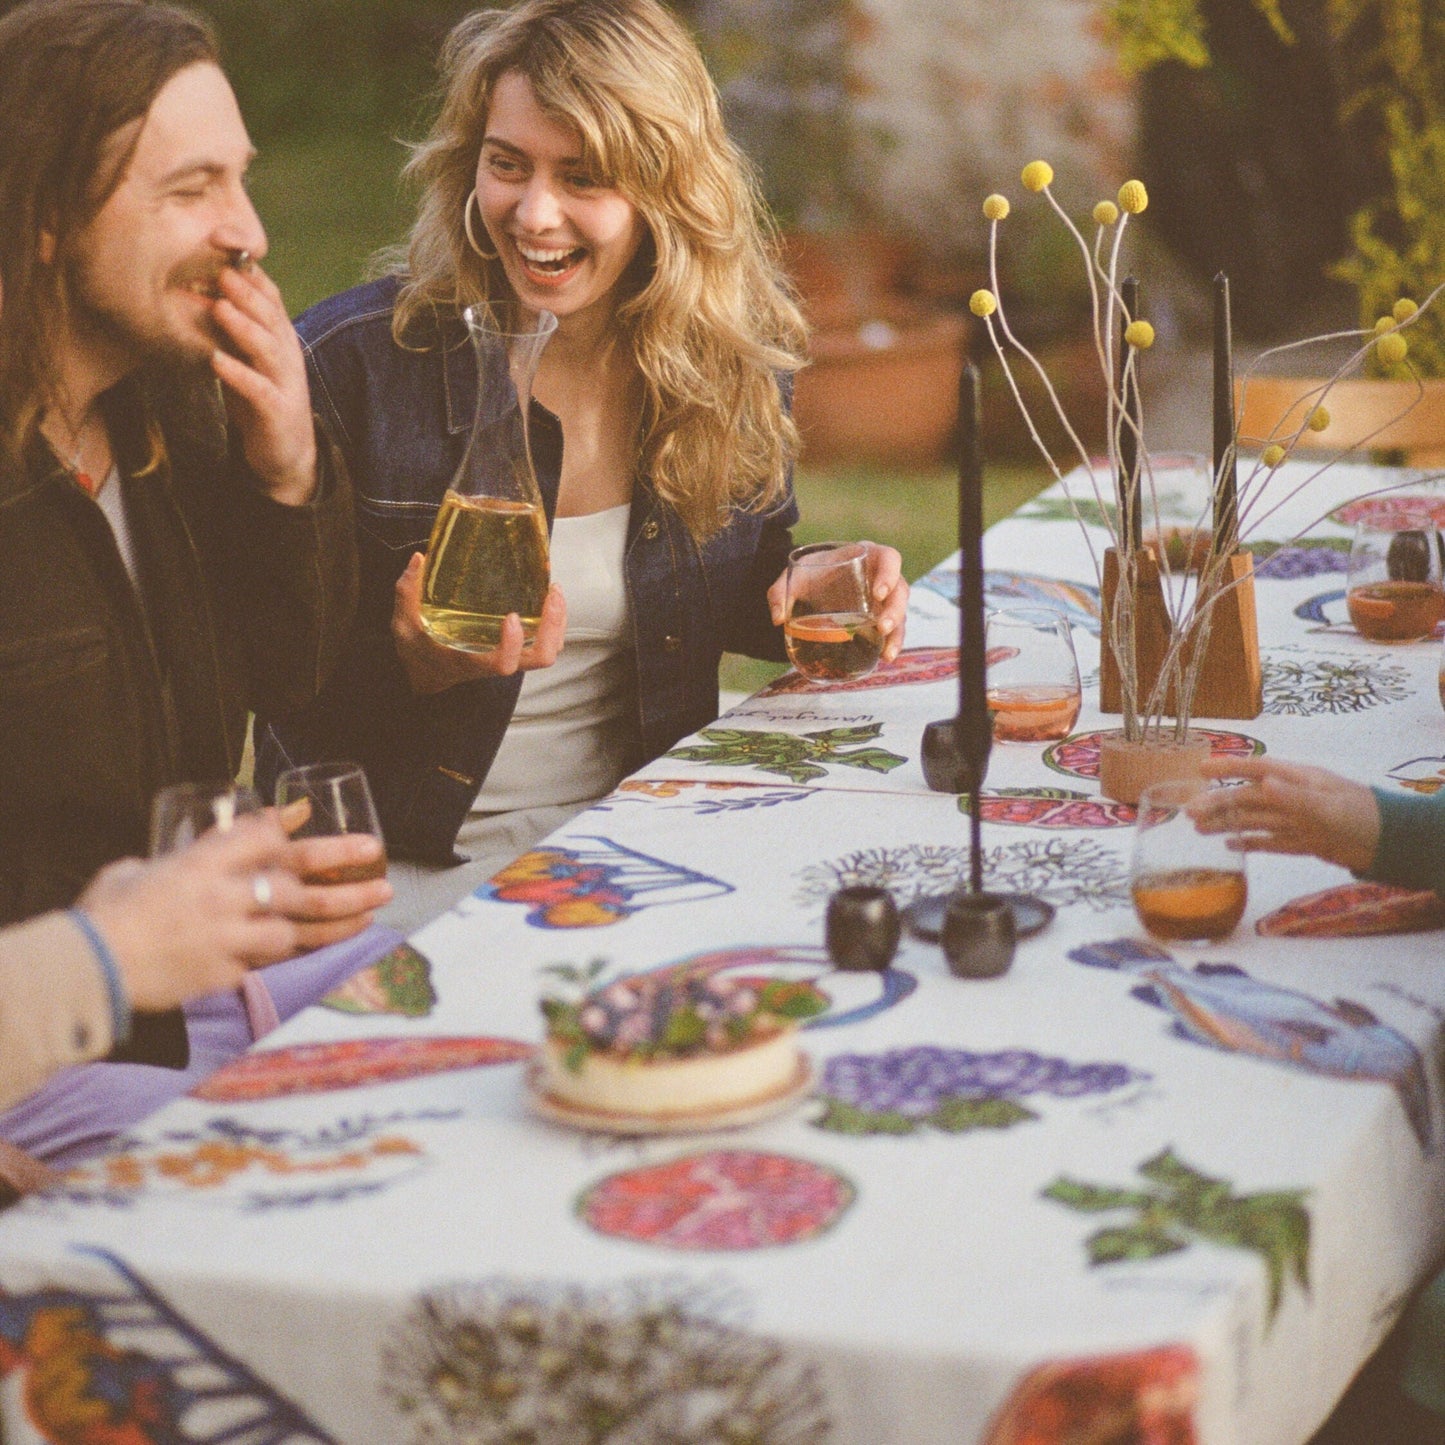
(355, 1063)
(1355, 910)
(1393, 513)
(817, 629)
(1143, 1395)
(1051, 808)
(1078, 756)
(722, 1199)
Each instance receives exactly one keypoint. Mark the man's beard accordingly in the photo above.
(94, 319)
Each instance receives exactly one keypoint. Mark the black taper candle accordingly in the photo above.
(973, 728)
(1226, 499)
(1131, 522)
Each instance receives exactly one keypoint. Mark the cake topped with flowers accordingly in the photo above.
(673, 1043)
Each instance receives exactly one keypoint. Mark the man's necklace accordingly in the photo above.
(79, 475)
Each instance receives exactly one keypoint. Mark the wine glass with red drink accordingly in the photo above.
(337, 800)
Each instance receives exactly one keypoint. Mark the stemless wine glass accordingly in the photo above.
(1187, 886)
(829, 626)
(1033, 675)
(1394, 592)
(181, 812)
(340, 802)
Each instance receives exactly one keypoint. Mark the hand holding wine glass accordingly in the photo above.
(337, 849)
(841, 607)
(1188, 884)
(182, 812)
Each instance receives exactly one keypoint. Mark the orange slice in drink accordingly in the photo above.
(817, 629)
(1372, 609)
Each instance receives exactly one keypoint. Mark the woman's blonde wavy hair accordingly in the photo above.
(711, 321)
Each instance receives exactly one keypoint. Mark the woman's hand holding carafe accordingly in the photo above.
(431, 667)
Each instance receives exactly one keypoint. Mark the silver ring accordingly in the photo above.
(262, 894)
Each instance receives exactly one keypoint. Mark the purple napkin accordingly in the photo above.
(78, 1113)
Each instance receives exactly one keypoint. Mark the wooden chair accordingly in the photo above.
(1371, 414)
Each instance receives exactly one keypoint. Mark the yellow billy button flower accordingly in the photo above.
(1272, 455)
(1036, 175)
(1319, 419)
(1384, 325)
(1106, 213)
(1133, 197)
(1392, 349)
(982, 302)
(1404, 309)
(1140, 335)
(995, 207)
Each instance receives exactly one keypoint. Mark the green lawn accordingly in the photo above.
(328, 206)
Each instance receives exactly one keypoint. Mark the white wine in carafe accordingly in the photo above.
(487, 558)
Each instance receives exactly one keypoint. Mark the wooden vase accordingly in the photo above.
(1127, 767)
(1230, 681)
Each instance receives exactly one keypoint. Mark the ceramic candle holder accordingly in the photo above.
(861, 928)
(978, 935)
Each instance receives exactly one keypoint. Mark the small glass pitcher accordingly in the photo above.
(488, 554)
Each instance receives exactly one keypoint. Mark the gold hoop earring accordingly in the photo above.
(467, 227)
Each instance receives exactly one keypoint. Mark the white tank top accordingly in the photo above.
(568, 737)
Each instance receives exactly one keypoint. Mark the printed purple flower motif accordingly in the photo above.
(954, 1089)
(1289, 563)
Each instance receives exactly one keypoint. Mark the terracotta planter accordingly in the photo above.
(885, 391)
(1127, 768)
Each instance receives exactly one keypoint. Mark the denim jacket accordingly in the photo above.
(402, 418)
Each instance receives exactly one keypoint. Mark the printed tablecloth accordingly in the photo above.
(1185, 1191)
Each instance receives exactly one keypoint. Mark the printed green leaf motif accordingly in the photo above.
(958, 1115)
(800, 759)
(1186, 1205)
(1094, 1199)
(844, 1118)
(1135, 1241)
(862, 733)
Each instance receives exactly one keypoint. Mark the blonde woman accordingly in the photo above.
(578, 166)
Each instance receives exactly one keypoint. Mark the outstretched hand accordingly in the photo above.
(889, 590)
(431, 666)
(1290, 808)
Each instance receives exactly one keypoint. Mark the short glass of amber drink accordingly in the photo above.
(829, 626)
(1394, 592)
(321, 800)
(1033, 675)
(1187, 886)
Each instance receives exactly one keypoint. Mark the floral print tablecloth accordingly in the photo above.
(1122, 1193)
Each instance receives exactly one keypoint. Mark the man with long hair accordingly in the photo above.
(175, 535)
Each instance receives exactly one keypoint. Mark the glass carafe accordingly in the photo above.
(488, 552)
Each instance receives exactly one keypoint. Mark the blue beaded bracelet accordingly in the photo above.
(114, 985)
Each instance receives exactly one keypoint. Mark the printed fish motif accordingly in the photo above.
(1078, 601)
(1223, 1007)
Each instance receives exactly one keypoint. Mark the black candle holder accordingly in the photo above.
(861, 928)
(955, 750)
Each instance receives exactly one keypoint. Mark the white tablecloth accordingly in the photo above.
(1189, 1187)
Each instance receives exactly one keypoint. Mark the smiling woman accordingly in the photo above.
(579, 167)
